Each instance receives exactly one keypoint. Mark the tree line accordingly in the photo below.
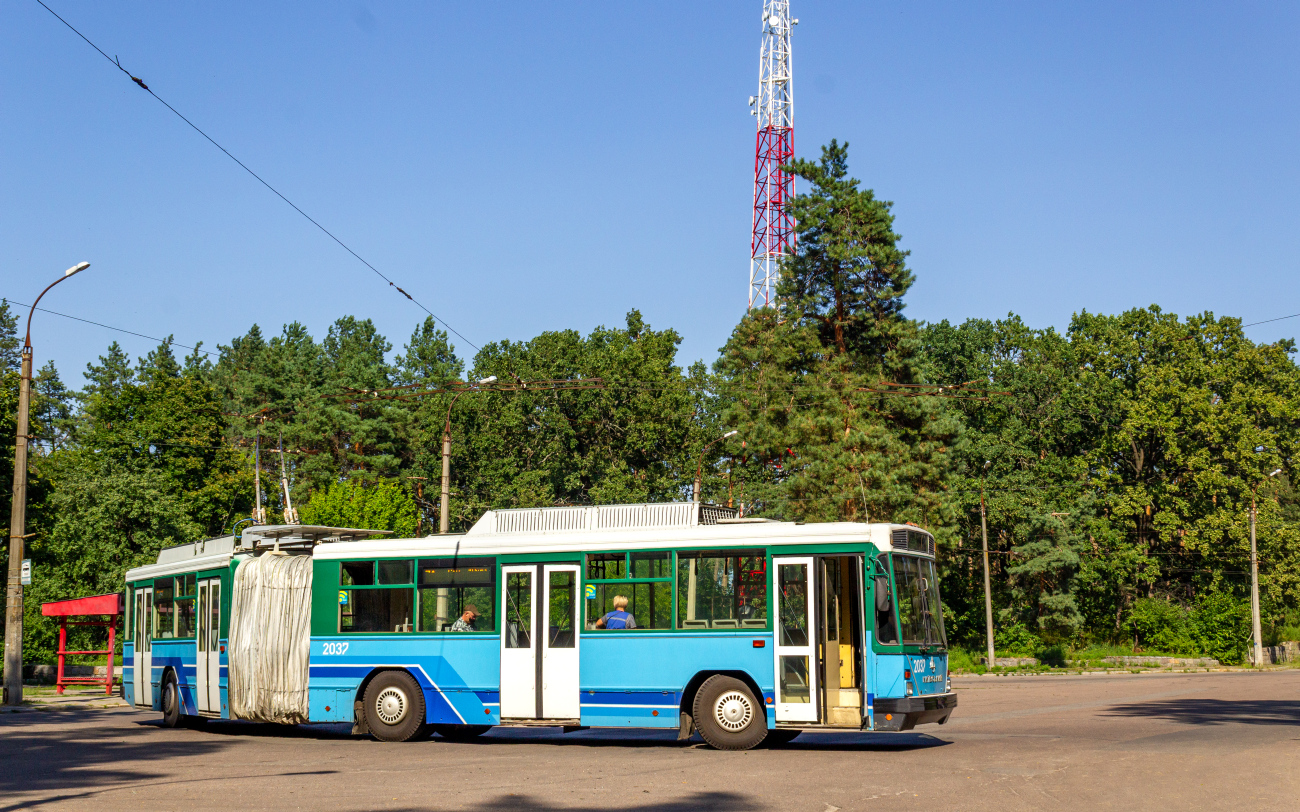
(1116, 461)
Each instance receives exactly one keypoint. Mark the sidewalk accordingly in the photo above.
(44, 698)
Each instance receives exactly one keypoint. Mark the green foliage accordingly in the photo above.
(803, 383)
(1160, 625)
(1015, 640)
(1115, 462)
(382, 505)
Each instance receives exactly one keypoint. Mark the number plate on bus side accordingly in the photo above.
(335, 648)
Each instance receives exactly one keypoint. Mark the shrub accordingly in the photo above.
(1053, 655)
(1161, 625)
(1221, 626)
(1016, 640)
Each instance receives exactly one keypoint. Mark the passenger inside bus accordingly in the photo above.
(620, 618)
(465, 623)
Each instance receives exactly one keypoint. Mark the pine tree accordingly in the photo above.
(805, 379)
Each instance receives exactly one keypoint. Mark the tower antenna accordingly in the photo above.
(773, 234)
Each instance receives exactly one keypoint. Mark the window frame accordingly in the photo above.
(375, 585)
(417, 606)
(729, 553)
(494, 588)
(674, 557)
(629, 581)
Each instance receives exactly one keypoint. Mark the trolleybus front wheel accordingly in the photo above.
(394, 707)
(727, 715)
(171, 701)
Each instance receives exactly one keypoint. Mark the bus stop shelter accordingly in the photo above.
(96, 610)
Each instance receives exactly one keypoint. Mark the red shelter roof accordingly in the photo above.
(111, 604)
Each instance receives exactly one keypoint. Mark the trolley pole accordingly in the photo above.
(13, 690)
(988, 598)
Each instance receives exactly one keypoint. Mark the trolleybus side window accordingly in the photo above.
(385, 607)
(164, 609)
(886, 619)
(722, 590)
(448, 586)
(645, 579)
(186, 589)
(918, 601)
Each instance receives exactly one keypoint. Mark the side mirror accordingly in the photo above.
(884, 601)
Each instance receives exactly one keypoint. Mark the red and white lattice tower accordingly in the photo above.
(774, 146)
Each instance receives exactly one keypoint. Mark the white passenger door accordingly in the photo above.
(142, 672)
(207, 665)
(560, 693)
(795, 650)
(519, 664)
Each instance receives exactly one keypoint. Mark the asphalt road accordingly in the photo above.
(1149, 741)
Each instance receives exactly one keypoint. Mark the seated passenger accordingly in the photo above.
(620, 618)
(465, 623)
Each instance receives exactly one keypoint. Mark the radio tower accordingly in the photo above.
(774, 146)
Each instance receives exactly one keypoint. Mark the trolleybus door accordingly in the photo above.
(207, 665)
(518, 664)
(559, 671)
(795, 649)
(539, 642)
(142, 673)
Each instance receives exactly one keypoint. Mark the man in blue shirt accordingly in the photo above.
(620, 618)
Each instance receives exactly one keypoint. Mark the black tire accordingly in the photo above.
(776, 738)
(170, 699)
(727, 714)
(394, 707)
(459, 733)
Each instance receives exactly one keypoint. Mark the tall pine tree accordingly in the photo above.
(806, 379)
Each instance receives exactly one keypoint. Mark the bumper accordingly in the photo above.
(911, 711)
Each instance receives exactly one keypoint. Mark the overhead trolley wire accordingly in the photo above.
(258, 177)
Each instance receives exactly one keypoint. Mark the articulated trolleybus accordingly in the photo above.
(675, 615)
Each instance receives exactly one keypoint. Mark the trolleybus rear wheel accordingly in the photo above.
(727, 715)
(460, 732)
(394, 707)
(171, 701)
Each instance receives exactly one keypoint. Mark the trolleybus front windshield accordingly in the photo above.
(920, 612)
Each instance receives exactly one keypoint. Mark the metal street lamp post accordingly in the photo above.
(13, 690)
(444, 519)
(699, 468)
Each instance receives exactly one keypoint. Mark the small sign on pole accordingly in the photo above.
(26, 579)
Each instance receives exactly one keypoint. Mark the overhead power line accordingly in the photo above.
(258, 177)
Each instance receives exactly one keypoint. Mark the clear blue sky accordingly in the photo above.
(527, 167)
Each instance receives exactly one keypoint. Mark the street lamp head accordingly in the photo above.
(731, 433)
(488, 379)
(1275, 473)
(78, 268)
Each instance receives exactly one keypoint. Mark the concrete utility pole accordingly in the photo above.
(699, 469)
(13, 690)
(988, 598)
(1255, 626)
(444, 505)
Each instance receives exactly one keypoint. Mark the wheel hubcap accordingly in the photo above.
(391, 705)
(733, 711)
(169, 697)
